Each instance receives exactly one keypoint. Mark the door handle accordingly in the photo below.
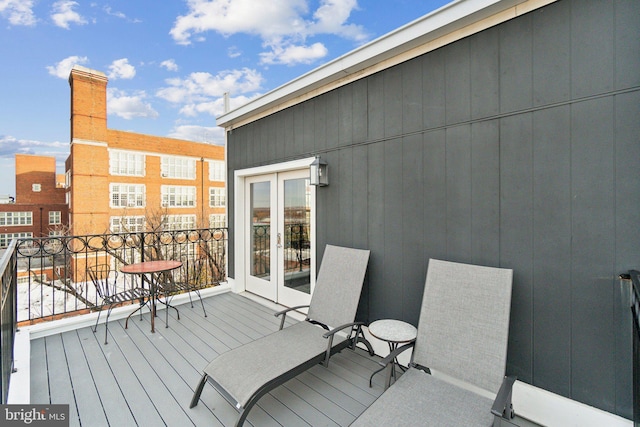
(279, 240)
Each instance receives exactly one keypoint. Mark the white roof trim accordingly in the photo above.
(437, 24)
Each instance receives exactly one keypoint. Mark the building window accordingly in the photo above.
(217, 197)
(55, 218)
(127, 195)
(217, 221)
(36, 188)
(178, 167)
(216, 171)
(127, 224)
(126, 163)
(6, 238)
(178, 196)
(16, 218)
(179, 222)
(56, 233)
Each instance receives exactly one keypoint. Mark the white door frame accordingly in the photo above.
(239, 217)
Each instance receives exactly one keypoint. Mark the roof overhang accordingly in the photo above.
(454, 21)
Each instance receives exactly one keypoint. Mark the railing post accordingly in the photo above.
(142, 239)
(8, 317)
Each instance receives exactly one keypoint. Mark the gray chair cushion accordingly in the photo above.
(419, 399)
(338, 286)
(242, 371)
(464, 322)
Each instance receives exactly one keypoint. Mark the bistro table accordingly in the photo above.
(150, 267)
(394, 332)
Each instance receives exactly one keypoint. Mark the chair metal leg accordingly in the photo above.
(196, 394)
(106, 324)
(95, 327)
(201, 302)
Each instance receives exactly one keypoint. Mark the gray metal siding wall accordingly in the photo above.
(516, 147)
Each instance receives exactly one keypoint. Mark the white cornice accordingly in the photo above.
(79, 141)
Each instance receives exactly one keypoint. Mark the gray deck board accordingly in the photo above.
(140, 378)
(147, 379)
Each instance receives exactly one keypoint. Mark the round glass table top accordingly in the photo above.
(393, 330)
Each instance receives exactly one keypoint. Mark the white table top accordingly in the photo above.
(391, 330)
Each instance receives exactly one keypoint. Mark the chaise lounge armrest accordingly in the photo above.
(502, 408)
(284, 312)
(355, 336)
(391, 356)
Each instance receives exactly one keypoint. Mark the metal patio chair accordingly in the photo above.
(105, 281)
(244, 374)
(186, 279)
(462, 333)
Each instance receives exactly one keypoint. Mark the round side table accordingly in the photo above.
(394, 332)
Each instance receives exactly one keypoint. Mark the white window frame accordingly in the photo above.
(179, 222)
(36, 188)
(14, 219)
(124, 224)
(217, 220)
(177, 167)
(178, 196)
(217, 197)
(55, 217)
(126, 163)
(135, 195)
(217, 170)
(5, 238)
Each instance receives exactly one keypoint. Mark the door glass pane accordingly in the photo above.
(297, 222)
(261, 229)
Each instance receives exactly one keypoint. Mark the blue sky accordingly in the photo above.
(168, 62)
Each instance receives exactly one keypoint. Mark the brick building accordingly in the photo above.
(121, 181)
(39, 208)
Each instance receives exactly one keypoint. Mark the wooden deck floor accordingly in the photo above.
(148, 379)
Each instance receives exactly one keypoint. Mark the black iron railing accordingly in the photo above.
(295, 242)
(8, 317)
(52, 272)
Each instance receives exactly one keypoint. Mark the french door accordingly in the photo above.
(280, 229)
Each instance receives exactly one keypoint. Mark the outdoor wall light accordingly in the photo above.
(319, 172)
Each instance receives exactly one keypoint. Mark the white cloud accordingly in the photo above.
(129, 106)
(291, 55)
(202, 87)
(209, 135)
(18, 12)
(109, 11)
(121, 69)
(63, 14)
(170, 65)
(234, 52)
(267, 19)
(63, 68)
(10, 146)
(331, 18)
(283, 25)
(215, 107)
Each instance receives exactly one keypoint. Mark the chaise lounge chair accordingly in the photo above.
(462, 333)
(244, 374)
